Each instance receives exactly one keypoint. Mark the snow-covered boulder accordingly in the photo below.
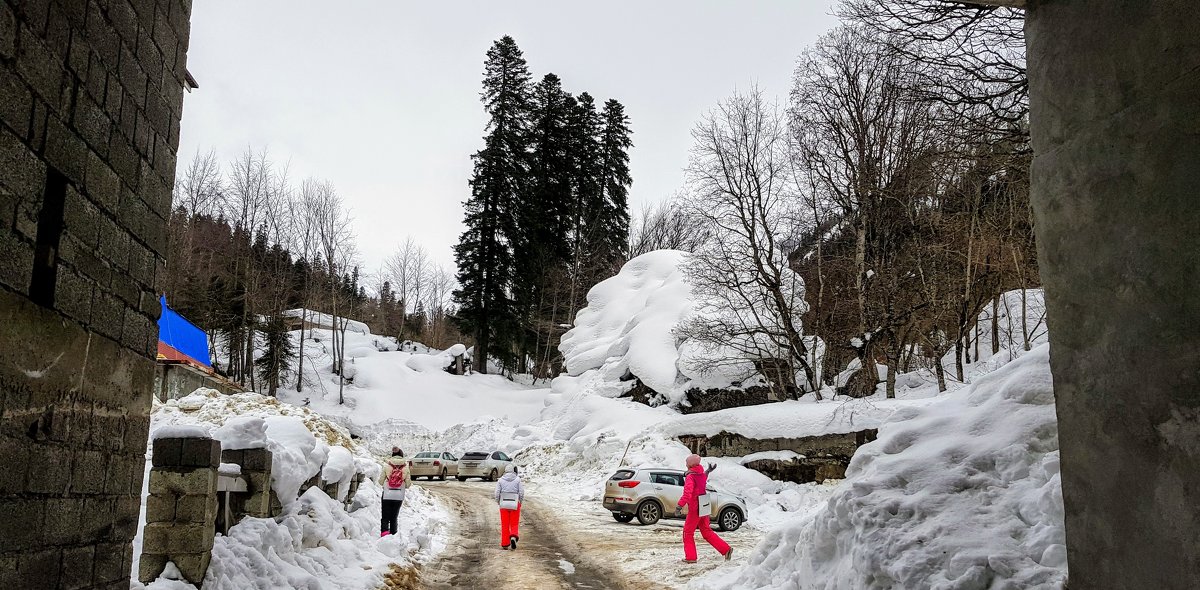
(629, 322)
(963, 493)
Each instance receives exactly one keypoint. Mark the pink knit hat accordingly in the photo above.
(693, 460)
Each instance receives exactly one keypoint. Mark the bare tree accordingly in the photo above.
(335, 245)
(666, 226)
(749, 299)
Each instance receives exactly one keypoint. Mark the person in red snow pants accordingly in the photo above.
(510, 494)
(510, 520)
(696, 484)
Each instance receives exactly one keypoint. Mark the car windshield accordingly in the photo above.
(426, 455)
(622, 475)
(475, 456)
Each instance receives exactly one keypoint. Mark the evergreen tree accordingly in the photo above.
(615, 182)
(587, 198)
(484, 253)
(277, 353)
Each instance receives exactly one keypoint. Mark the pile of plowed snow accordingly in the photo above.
(316, 542)
(963, 493)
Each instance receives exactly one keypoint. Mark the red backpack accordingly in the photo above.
(396, 477)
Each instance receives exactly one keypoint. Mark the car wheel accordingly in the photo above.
(622, 517)
(649, 512)
(730, 519)
(492, 476)
(442, 477)
(461, 478)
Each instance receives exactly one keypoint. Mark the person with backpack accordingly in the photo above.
(396, 480)
(695, 497)
(510, 493)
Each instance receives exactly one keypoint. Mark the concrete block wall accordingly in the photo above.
(181, 510)
(256, 468)
(90, 103)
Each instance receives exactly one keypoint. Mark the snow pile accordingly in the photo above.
(435, 361)
(629, 322)
(319, 546)
(242, 432)
(325, 321)
(964, 493)
(316, 543)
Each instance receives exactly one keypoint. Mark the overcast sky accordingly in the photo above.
(382, 98)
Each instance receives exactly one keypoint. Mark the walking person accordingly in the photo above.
(396, 480)
(695, 498)
(510, 493)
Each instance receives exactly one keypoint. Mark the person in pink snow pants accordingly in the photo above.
(695, 486)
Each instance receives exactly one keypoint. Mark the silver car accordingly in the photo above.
(652, 494)
(431, 464)
(486, 466)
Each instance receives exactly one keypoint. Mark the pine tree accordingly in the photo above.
(277, 353)
(615, 182)
(484, 253)
(587, 199)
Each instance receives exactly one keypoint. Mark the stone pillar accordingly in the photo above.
(91, 94)
(1115, 123)
(181, 510)
(256, 468)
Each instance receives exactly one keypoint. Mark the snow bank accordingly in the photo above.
(964, 494)
(316, 543)
(628, 323)
(242, 432)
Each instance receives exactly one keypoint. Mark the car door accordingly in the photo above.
(451, 463)
(668, 488)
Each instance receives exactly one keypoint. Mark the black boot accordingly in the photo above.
(512, 542)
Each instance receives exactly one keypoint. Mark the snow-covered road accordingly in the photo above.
(564, 544)
(547, 556)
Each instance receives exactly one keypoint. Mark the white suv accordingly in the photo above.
(486, 466)
(652, 494)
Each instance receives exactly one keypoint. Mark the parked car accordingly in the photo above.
(486, 466)
(652, 494)
(431, 464)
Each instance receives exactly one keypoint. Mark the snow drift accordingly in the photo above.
(964, 494)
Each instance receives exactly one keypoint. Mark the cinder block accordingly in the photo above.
(200, 452)
(108, 563)
(40, 568)
(193, 567)
(20, 523)
(184, 539)
(76, 568)
(257, 460)
(196, 509)
(151, 566)
(160, 507)
(167, 451)
(14, 454)
(88, 474)
(52, 474)
(234, 456)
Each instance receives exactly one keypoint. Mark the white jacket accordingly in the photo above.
(393, 463)
(510, 483)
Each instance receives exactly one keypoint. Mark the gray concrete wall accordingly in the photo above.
(1115, 98)
(90, 102)
(176, 380)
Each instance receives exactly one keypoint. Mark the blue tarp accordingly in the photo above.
(182, 335)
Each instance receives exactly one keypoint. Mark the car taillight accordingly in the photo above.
(436, 463)
(628, 484)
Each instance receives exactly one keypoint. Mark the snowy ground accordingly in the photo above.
(960, 490)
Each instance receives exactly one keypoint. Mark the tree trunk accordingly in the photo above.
(941, 373)
(996, 326)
